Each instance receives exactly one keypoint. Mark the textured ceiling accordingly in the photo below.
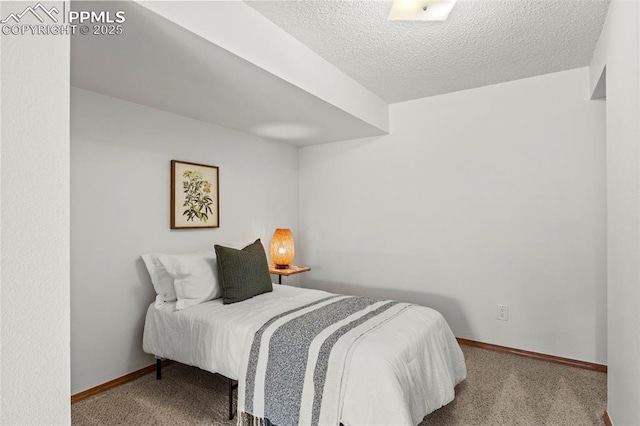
(483, 42)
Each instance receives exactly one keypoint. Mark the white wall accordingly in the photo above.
(34, 210)
(489, 196)
(120, 176)
(619, 50)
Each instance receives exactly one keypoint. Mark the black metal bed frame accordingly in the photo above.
(230, 382)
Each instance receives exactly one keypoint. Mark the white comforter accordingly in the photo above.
(399, 373)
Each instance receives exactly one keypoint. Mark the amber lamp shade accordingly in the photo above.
(282, 249)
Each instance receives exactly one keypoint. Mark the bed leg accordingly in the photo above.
(158, 369)
(230, 399)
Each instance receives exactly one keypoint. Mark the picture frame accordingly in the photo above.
(195, 195)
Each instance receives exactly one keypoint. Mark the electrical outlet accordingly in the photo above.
(503, 312)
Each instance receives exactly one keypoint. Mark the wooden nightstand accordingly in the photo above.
(291, 270)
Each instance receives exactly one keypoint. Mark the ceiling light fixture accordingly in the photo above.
(420, 10)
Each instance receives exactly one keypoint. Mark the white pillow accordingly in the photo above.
(162, 281)
(195, 277)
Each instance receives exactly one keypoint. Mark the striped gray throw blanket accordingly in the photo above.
(296, 367)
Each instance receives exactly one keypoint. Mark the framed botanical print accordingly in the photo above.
(195, 200)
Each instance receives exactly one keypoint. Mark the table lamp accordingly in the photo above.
(282, 248)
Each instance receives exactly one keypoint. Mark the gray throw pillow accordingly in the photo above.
(243, 273)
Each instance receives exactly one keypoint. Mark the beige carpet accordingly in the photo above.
(501, 389)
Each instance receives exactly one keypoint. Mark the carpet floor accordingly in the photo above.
(500, 389)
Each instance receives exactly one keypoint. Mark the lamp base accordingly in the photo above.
(282, 266)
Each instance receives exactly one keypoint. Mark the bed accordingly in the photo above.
(395, 372)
